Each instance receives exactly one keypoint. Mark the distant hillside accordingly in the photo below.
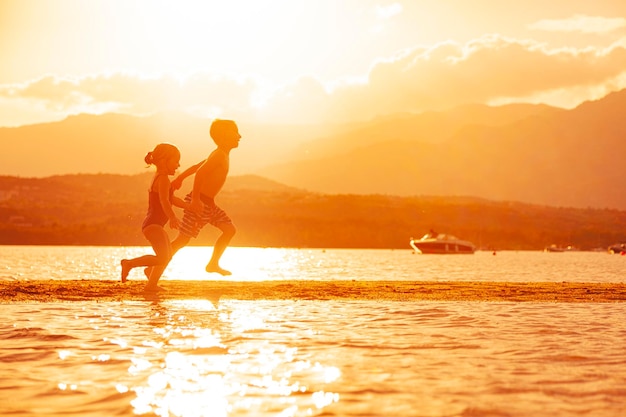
(117, 144)
(531, 153)
(558, 158)
(108, 210)
(256, 183)
(427, 127)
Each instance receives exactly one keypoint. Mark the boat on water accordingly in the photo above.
(618, 248)
(441, 243)
(556, 248)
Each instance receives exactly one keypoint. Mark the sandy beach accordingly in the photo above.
(103, 290)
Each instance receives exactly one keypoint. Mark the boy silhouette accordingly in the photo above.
(210, 175)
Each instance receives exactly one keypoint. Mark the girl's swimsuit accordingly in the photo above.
(156, 214)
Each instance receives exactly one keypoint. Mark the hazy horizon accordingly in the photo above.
(321, 89)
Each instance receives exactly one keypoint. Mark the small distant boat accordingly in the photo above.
(441, 243)
(617, 248)
(554, 248)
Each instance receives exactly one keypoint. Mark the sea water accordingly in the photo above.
(313, 358)
(262, 264)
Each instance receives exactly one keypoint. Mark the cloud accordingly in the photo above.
(389, 11)
(480, 71)
(134, 94)
(581, 23)
(486, 70)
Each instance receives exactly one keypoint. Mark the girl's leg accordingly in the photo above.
(159, 240)
(153, 273)
(163, 250)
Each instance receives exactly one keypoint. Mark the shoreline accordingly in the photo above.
(47, 291)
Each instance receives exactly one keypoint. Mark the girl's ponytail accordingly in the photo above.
(149, 159)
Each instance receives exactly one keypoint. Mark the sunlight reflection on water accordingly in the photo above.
(223, 364)
(302, 357)
(307, 358)
(261, 264)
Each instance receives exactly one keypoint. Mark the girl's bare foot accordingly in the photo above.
(218, 269)
(153, 289)
(125, 269)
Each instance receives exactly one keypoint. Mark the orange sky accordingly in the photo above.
(302, 61)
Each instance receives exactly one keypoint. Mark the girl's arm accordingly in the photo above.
(178, 202)
(178, 181)
(163, 187)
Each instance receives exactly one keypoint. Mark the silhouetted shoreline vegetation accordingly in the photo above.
(107, 209)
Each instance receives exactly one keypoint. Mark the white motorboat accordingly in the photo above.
(441, 243)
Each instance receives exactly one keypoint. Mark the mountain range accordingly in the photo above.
(529, 153)
(549, 156)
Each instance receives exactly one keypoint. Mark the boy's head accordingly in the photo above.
(225, 133)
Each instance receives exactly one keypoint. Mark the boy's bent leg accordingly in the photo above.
(228, 231)
(180, 242)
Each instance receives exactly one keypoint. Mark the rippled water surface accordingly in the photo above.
(314, 358)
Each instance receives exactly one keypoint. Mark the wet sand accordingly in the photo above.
(101, 291)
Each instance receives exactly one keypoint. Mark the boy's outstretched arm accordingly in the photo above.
(178, 181)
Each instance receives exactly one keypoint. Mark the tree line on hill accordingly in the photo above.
(106, 209)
